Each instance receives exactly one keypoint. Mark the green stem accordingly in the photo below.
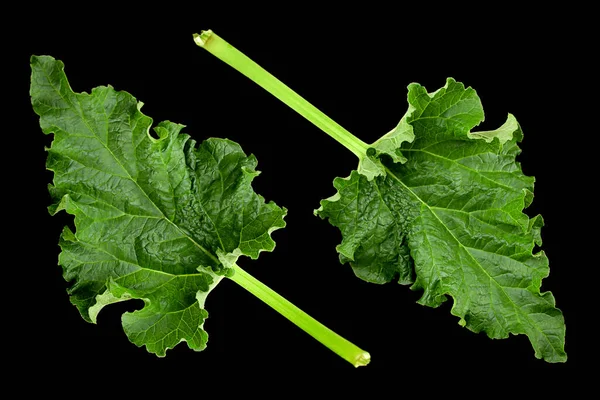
(225, 52)
(326, 336)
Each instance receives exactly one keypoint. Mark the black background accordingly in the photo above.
(355, 68)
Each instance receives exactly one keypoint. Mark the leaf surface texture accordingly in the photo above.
(448, 219)
(157, 217)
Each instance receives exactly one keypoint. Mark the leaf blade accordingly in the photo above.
(460, 197)
(152, 214)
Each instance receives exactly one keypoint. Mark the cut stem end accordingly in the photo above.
(362, 360)
(203, 37)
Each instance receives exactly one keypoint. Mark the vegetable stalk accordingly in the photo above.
(218, 47)
(342, 347)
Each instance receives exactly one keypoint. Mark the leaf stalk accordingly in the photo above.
(218, 47)
(342, 347)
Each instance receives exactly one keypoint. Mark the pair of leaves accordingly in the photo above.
(162, 219)
(442, 209)
(158, 219)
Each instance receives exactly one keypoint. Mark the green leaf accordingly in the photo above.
(450, 221)
(157, 217)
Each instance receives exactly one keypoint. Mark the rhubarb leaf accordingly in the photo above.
(448, 218)
(157, 217)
